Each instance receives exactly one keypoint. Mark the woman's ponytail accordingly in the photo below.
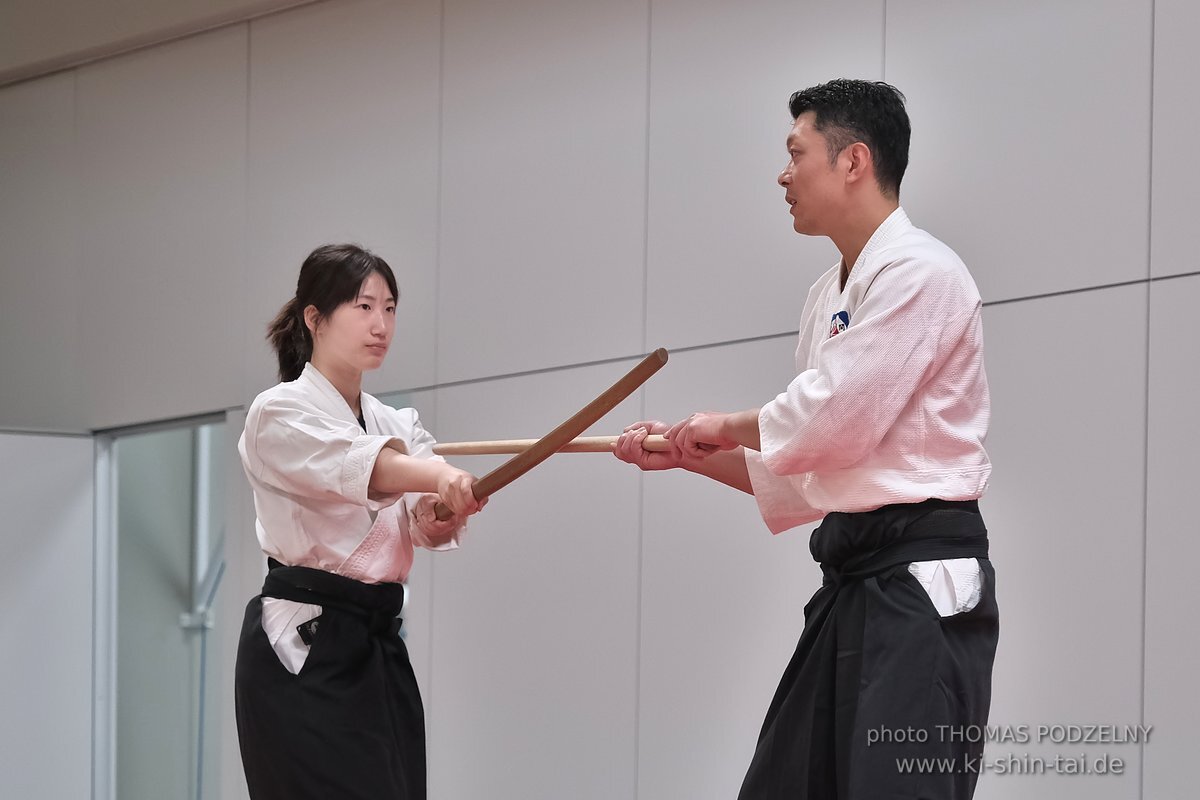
(291, 339)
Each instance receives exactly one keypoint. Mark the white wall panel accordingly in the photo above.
(46, 671)
(1176, 192)
(1172, 539)
(40, 294)
(1065, 518)
(722, 599)
(723, 261)
(161, 141)
(543, 184)
(1031, 136)
(36, 37)
(535, 618)
(344, 147)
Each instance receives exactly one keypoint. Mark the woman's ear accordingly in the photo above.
(312, 318)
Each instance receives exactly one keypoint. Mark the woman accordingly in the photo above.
(344, 486)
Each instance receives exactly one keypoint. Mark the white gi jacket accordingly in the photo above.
(309, 463)
(890, 403)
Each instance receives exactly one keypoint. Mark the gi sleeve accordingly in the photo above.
(424, 528)
(834, 414)
(295, 447)
(780, 500)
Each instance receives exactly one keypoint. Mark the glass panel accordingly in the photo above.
(169, 537)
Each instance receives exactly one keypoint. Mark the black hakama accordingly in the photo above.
(350, 725)
(878, 675)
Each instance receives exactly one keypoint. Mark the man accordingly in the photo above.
(879, 436)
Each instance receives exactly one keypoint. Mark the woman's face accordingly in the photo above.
(358, 333)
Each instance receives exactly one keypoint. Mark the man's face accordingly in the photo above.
(813, 186)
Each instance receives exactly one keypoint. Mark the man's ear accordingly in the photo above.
(861, 164)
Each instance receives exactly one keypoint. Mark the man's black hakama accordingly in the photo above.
(878, 675)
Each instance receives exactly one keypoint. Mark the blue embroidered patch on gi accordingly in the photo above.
(839, 323)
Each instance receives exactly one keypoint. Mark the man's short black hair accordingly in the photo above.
(872, 112)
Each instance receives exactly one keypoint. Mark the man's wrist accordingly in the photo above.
(742, 427)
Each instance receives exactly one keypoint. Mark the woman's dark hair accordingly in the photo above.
(331, 275)
(846, 111)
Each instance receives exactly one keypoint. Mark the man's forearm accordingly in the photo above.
(727, 466)
(742, 427)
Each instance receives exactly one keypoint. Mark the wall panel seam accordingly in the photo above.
(760, 338)
(637, 641)
(1146, 408)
